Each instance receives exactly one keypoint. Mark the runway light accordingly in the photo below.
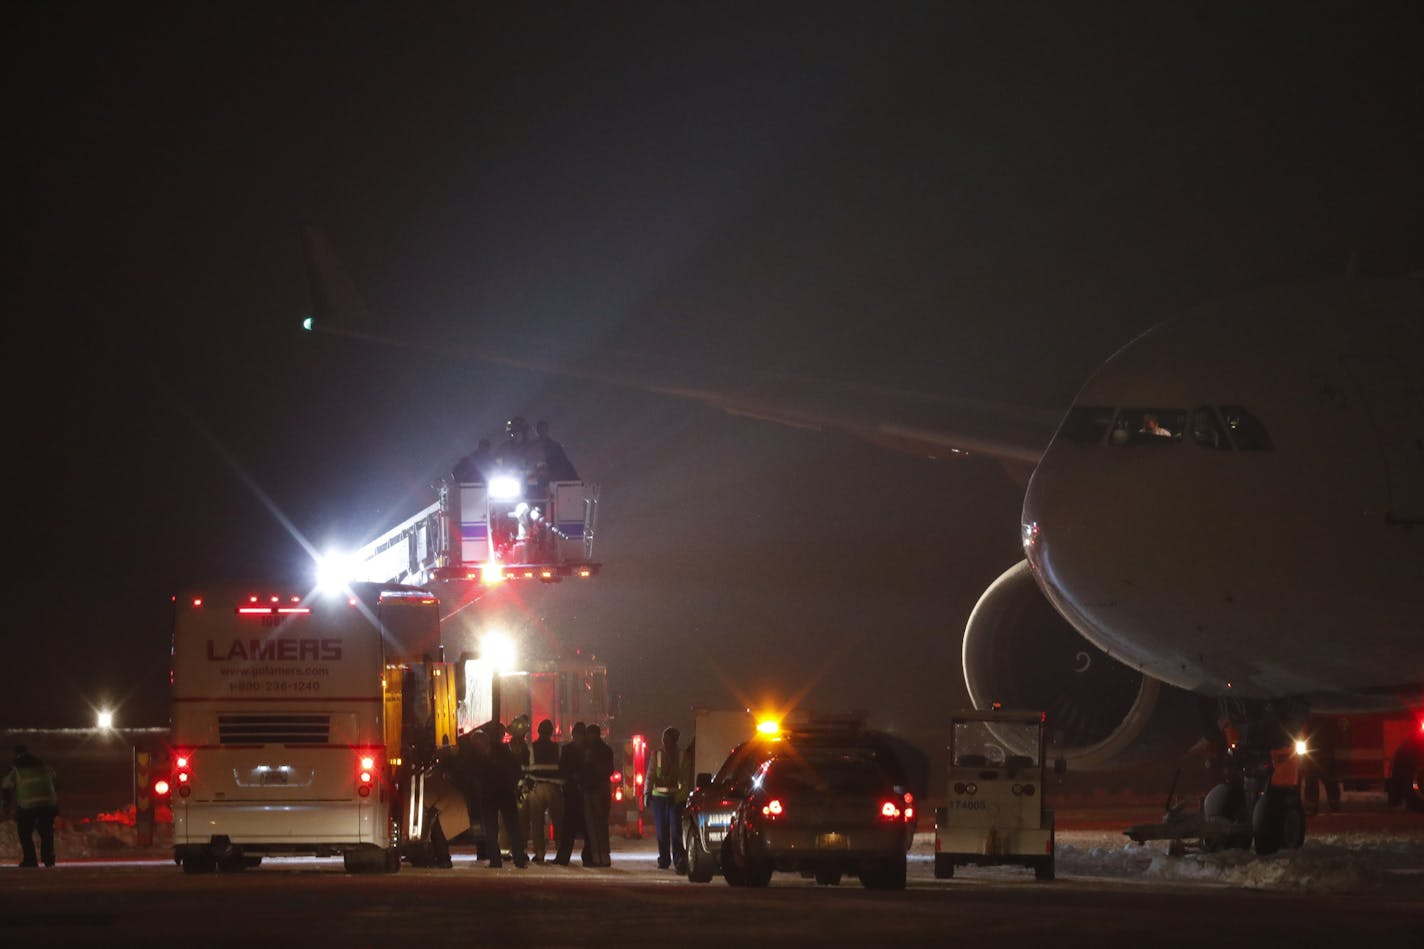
(104, 719)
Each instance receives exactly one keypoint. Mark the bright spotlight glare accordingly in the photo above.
(105, 719)
(1300, 746)
(504, 488)
(498, 650)
(334, 571)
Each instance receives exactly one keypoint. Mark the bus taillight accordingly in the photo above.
(183, 772)
(366, 760)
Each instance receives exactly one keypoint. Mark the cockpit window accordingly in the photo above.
(1207, 429)
(1247, 432)
(1086, 424)
(1148, 427)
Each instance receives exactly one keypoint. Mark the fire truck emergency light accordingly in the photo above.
(505, 488)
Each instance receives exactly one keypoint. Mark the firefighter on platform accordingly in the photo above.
(545, 799)
(668, 787)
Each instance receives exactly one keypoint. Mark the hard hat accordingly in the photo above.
(671, 734)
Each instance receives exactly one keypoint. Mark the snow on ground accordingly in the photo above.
(1332, 861)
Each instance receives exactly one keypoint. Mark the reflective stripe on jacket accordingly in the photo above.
(665, 779)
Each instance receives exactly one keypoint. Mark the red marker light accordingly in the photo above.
(182, 771)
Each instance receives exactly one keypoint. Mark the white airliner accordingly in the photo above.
(1232, 510)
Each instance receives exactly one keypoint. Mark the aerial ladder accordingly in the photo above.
(506, 529)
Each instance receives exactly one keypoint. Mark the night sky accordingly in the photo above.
(979, 200)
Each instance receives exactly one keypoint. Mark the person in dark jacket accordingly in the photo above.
(544, 801)
(552, 454)
(499, 777)
(477, 466)
(571, 770)
(597, 783)
(29, 788)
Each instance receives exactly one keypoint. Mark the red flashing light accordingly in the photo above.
(366, 761)
(183, 771)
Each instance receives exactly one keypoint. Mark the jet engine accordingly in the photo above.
(1019, 652)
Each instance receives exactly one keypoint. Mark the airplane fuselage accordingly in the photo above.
(1235, 503)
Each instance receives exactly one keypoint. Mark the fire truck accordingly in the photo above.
(1373, 752)
(328, 721)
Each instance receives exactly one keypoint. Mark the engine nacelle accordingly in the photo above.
(1020, 652)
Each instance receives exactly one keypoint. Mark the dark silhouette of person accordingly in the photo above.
(597, 783)
(475, 468)
(545, 800)
(1317, 766)
(30, 789)
(552, 454)
(499, 776)
(571, 770)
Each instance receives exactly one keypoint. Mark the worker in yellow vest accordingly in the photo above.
(668, 787)
(29, 789)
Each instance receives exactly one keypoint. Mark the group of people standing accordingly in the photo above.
(534, 456)
(523, 788)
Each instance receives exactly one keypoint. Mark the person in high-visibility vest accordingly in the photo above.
(668, 787)
(29, 788)
(545, 800)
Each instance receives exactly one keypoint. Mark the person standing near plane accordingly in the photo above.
(29, 789)
(571, 770)
(597, 781)
(1317, 766)
(668, 787)
(545, 800)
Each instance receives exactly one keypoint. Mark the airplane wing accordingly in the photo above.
(909, 422)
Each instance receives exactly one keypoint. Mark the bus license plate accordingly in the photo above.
(832, 841)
